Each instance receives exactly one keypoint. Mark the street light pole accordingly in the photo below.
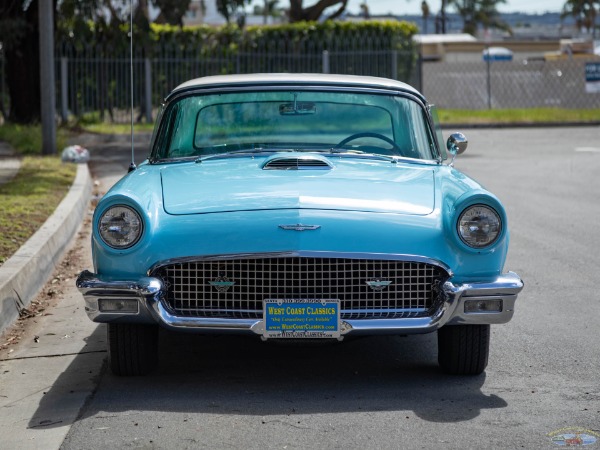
(47, 83)
(443, 16)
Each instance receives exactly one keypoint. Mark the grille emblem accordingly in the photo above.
(300, 227)
(221, 284)
(377, 284)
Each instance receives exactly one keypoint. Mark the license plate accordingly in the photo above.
(302, 318)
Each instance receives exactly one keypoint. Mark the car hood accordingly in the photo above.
(242, 184)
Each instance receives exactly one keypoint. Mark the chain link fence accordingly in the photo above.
(92, 88)
(97, 88)
(509, 84)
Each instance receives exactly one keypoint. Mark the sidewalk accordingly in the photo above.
(9, 163)
(24, 273)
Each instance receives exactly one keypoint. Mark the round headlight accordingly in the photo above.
(479, 226)
(120, 227)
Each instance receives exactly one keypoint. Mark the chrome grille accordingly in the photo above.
(236, 288)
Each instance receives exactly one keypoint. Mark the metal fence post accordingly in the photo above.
(488, 81)
(420, 71)
(325, 61)
(64, 89)
(47, 77)
(394, 64)
(148, 89)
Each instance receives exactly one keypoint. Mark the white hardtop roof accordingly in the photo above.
(301, 79)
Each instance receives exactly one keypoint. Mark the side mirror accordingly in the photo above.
(456, 145)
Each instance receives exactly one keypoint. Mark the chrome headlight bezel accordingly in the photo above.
(479, 226)
(120, 227)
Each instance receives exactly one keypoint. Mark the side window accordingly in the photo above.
(438, 131)
(166, 133)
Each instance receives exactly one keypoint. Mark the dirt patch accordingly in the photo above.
(65, 274)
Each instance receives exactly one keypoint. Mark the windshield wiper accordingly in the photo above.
(238, 152)
(346, 150)
(392, 158)
(216, 155)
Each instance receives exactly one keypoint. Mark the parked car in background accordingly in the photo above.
(289, 206)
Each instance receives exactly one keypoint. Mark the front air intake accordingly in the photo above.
(297, 163)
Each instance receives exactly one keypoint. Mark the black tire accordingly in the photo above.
(463, 349)
(132, 348)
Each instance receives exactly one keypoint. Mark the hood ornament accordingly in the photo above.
(377, 284)
(299, 227)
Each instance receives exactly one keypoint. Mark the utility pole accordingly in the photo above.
(443, 16)
(48, 86)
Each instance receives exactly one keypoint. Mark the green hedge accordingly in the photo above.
(330, 35)
(98, 58)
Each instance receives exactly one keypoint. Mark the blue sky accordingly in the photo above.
(414, 6)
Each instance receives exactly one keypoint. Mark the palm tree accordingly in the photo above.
(584, 12)
(479, 12)
(364, 10)
(425, 11)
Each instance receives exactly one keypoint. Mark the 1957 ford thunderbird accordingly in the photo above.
(288, 206)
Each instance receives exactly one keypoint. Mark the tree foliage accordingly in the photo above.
(479, 12)
(584, 12)
(19, 32)
(425, 12)
(231, 9)
(269, 9)
(104, 25)
(299, 13)
(19, 37)
(171, 11)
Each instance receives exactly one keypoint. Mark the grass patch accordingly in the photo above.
(518, 116)
(27, 139)
(114, 128)
(30, 198)
(458, 116)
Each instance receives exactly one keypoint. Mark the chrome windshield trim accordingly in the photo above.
(309, 86)
(307, 153)
(211, 89)
(304, 254)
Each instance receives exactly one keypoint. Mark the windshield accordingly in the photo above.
(323, 121)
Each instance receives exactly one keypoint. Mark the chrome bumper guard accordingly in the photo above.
(148, 292)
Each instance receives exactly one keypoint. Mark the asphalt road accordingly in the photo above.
(387, 392)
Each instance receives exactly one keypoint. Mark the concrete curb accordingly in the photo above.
(24, 274)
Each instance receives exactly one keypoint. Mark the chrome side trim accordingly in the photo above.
(306, 254)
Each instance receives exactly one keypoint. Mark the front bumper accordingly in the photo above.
(147, 293)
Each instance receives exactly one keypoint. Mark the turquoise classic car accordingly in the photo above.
(288, 206)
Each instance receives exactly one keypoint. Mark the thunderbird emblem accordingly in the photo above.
(378, 284)
(300, 227)
(221, 284)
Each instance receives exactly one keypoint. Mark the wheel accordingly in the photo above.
(367, 134)
(132, 348)
(463, 349)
